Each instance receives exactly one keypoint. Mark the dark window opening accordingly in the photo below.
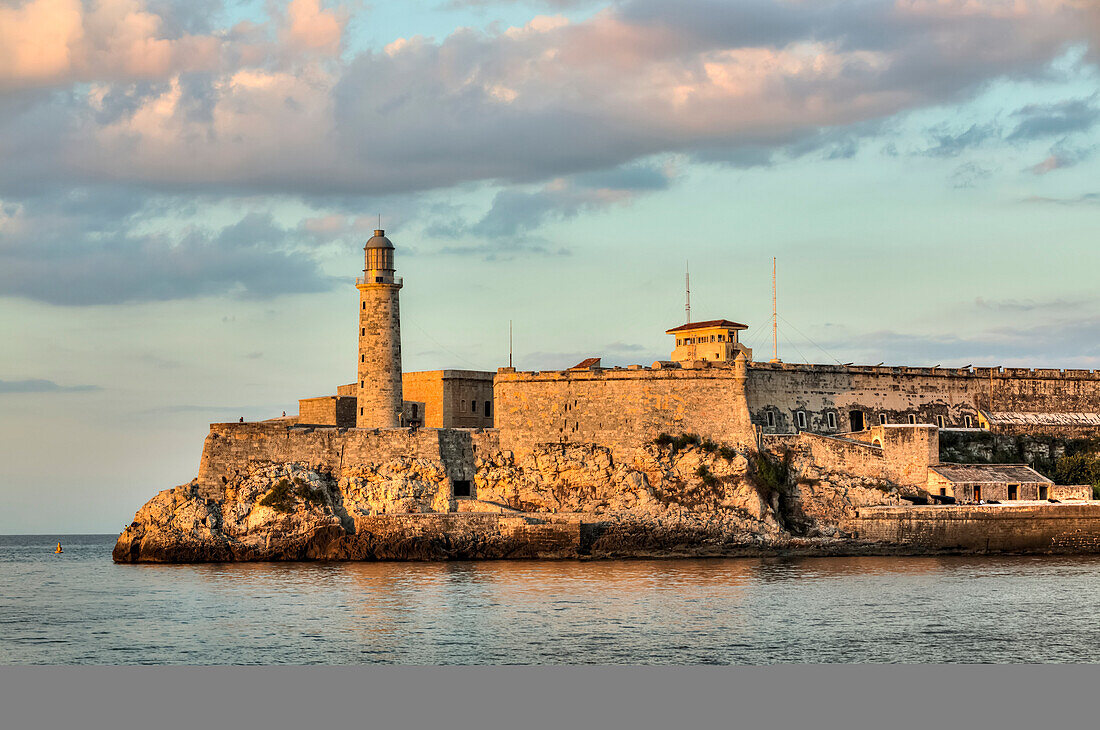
(855, 418)
(488, 409)
(912, 418)
(1013, 491)
(941, 421)
(415, 410)
(362, 331)
(969, 422)
(771, 419)
(462, 487)
(1042, 492)
(473, 406)
(882, 418)
(943, 491)
(832, 420)
(801, 418)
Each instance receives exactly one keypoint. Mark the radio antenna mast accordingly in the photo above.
(687, 292)
(509, 343)
(775, 320)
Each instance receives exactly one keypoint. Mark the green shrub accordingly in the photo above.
(704, 474)
(770, 474)
(284, 497)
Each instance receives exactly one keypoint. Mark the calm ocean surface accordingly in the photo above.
(80, 608)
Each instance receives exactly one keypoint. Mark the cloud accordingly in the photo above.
(36, 385)
(515, 214)
(1061, 118)
(969, 174)
(525, 104)
(73, 252)
(951, 145)
(153, 104)
(1088, 199)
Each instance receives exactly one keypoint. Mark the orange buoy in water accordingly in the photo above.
(59, 550)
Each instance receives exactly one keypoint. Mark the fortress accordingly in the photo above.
(709, 386)
(693, 436)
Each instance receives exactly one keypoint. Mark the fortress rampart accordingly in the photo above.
(833, 398)
(230, 447)
(619, 408)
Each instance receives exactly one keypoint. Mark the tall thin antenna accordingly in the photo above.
(379, 221)
(687, 292)
(509, 343)
(775, 320)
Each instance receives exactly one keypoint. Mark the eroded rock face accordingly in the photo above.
(821, 499)
(558, 501)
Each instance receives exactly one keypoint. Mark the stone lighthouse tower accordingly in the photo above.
(379, 396)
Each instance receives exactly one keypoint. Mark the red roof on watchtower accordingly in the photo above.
(707, 324)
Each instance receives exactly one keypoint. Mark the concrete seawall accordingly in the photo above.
(1023, 528)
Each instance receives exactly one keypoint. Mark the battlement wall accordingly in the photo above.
(833, 398)
(230, 447)
(619, 408)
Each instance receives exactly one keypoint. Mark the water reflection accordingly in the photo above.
(83, 609)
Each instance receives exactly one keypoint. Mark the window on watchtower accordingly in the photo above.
(801, 419)
(473, 406)
(488, 409)
(771, 419)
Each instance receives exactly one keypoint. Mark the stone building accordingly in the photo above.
(715, 340)
(1001, 482)
(449, 398)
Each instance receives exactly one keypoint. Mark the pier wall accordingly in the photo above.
(1025, 528)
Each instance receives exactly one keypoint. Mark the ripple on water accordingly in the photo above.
(79, 608)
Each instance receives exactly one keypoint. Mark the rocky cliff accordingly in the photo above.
(572, 500)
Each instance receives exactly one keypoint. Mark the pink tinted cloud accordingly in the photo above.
(309, 27)
(534, 102)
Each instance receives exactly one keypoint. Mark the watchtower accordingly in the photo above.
(379, 397)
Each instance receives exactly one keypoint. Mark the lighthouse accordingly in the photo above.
(379, 398)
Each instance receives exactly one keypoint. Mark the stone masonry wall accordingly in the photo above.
(379, 398)
(619, 408)
(783, 389)
(328, 411)
(230, 448)
(977, 528)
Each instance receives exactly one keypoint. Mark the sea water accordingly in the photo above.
(80, 608)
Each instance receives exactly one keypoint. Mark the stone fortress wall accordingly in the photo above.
(620, 408)
(230, 448)
(827, 395)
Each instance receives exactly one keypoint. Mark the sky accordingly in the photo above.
(186, 187)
